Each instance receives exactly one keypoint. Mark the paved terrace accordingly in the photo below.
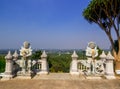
(60, 81)
(61, 76)
(55, 76)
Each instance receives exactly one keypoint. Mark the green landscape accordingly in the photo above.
(2, 63)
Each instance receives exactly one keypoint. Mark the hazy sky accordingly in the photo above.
(47, 24)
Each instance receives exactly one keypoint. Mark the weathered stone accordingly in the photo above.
(15, 55)
(91, 50)
(44, 64)
(74, 55)
(25, 52)
(8, 56)
(8, 66)
(109, 56)
(109, 66)
(103, 55)
(74, 64)
(44, 55)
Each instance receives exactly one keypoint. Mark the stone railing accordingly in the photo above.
(41, 66)
(14, 66)
(103, 66)
(86, 67)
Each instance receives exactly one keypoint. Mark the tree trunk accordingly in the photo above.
(117, 57)
(119, 50)
(115, 54)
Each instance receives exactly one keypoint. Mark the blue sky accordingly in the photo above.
(47, 24)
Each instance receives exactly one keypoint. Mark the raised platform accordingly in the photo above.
(110, 77)
(93, 77)
(59, 76)
(24, 76)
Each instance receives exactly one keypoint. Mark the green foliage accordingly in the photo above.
(2, 63)
(99, 53)
(82, 55)
(36, 55)
(101, 10)
(59, 63)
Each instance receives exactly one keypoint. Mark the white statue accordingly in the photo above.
(91, 53)
(25, 52)
(92, 50)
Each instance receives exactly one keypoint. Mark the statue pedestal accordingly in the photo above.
(93, 77)
(110, 77)
(42, 72)
(74, 73)
(6, 77)
(24, 76)
(25, 72)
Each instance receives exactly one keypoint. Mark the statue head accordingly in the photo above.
(92, 50)
(26, 44)
(92, 45)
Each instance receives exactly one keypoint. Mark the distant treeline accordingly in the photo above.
(62, 51)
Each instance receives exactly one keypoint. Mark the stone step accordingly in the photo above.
(62, 76)
(58, 76)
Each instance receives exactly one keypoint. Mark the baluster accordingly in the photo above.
(81, 67)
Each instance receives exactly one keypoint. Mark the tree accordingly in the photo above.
(2, 63)
(106, 14)
(59, 63)
(36, 54)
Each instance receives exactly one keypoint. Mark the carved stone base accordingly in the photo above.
(24, 76)
(110, 77)
(74, 73)
(93, 77)
(42, 72)
(6, 77)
